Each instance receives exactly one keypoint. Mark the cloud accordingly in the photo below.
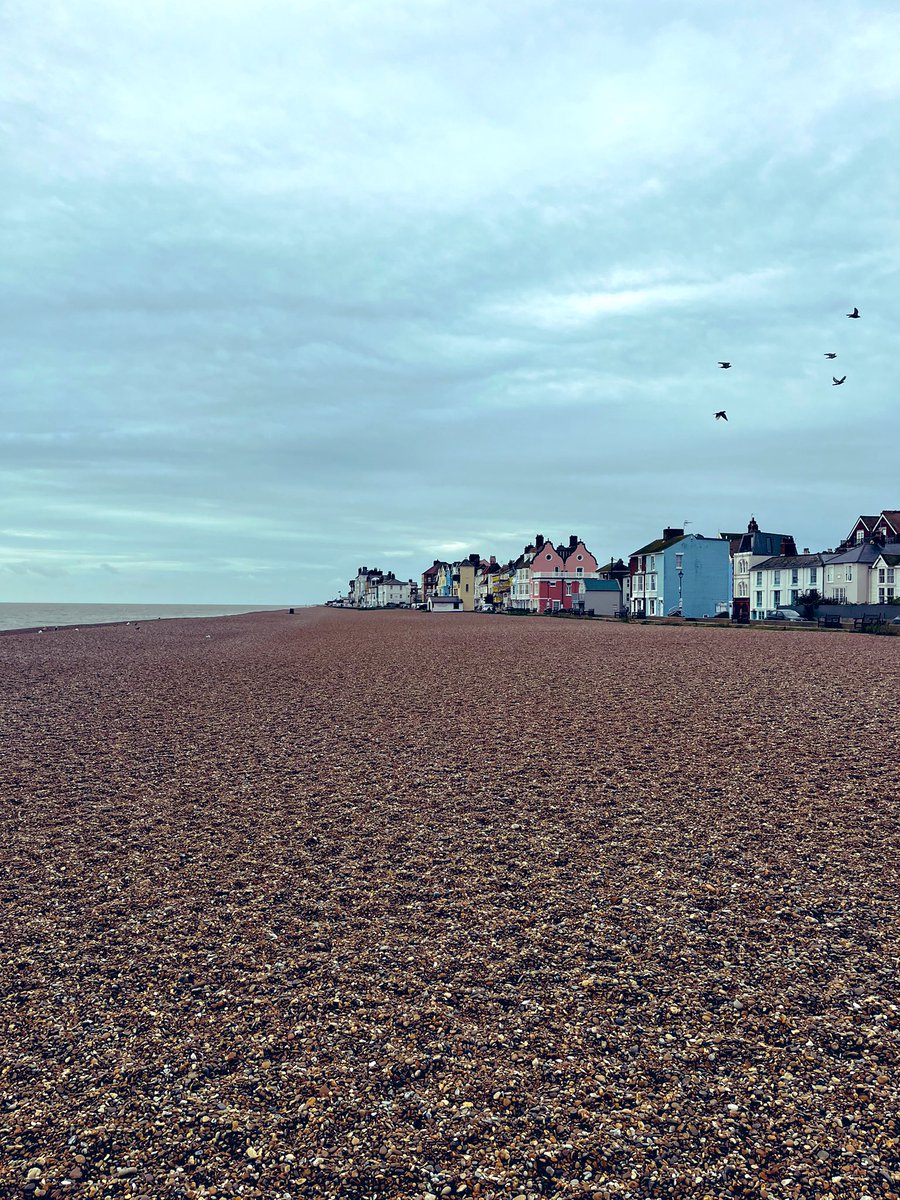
(279, 285)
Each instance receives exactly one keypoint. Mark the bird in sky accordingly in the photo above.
(854, 316)
(722, 416)
(724, 365)
(837, 382)
(828, 354)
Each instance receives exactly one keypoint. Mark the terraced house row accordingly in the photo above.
(742, 575)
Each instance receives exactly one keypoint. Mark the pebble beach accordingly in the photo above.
(392, 904)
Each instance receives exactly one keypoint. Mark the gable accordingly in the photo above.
(580, 556)
(546, 560)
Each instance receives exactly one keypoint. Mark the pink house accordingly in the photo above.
(558, 574)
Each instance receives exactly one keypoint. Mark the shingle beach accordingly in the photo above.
(400, 905)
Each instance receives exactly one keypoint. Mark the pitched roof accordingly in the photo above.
(601, 585)
(659, 545)
(780, 561)
(863, 552)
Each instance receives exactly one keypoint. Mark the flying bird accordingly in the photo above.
(854, 316)
(724, 365)
(829, 355)
(723, 416)
(837, 382)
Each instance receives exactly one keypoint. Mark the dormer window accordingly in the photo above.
(860, 534)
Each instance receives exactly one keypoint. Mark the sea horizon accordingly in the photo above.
(16, 615)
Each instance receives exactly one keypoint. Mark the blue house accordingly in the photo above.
(677, 574)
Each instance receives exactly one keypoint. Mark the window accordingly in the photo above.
(777, 577)
(881, 595)
(679, 562)
(794, 595)
(652, 562)
(568, 589)
(881, 574)
(849, 574)
(795, 575)
(890, 574)
(860, 534)
(776, 598)
(556, 570)
(579, 557)
(812, 576)
(830, 575)
(579, 570)
(759, 599)
(759, 578)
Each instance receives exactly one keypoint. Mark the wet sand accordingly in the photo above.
(399, 905)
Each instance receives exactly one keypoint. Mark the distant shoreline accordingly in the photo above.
(148, 620)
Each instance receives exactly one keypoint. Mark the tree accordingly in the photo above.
(807, 603)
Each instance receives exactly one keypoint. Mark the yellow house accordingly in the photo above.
(464, 582)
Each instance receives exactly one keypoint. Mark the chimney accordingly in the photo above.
(493, 559)
(573, 541)
(752, 526)
(475, 559)
(788, 546)
(538, 541)
(669, 533)
(806, 549)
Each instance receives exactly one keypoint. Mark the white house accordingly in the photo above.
(884, 577)
(779, 582)
(391, 590)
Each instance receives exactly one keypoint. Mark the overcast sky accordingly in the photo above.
(292, 286)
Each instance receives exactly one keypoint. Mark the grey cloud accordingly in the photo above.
(416, 275)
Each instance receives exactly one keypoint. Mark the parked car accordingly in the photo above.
(783, 614)
(896, 621)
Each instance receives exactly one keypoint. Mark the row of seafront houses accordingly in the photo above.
(741, 575)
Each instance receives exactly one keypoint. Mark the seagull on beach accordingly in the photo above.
(828, 354)
(854, 316)
(725, 365)
(837, 382)
(721, 416)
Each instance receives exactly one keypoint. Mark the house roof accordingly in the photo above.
(781, 561)
(601, 585)
(892, 560)
(862, 552)
(659, 545)
(759, 542)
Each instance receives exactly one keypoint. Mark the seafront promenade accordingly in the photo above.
(348, 904)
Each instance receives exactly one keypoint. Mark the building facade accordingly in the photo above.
(779, 582)
(681, 575)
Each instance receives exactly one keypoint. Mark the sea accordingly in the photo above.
(52, 616)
